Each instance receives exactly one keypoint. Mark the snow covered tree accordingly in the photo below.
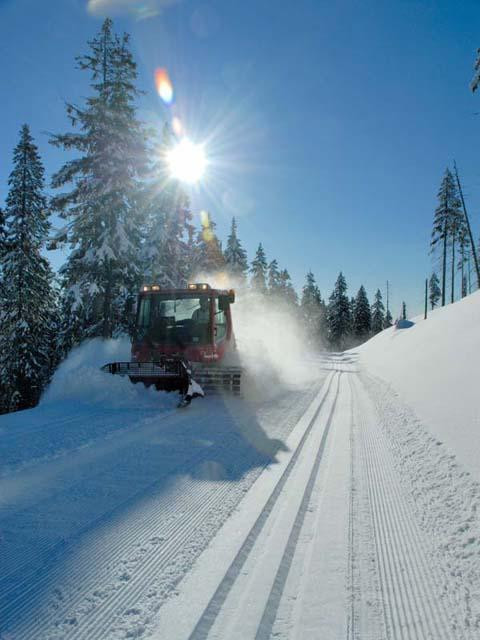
(235, 256)
(208, 256)
(388, 320)
(28, 309)
(378, 313)
(286, 291)
(166, 247)
(274, 283)
(102, 273)
(474, 84)
(258, 269)
(362, 318)
(435, 293)
(312, 309)
(445, 223)
(338, 314)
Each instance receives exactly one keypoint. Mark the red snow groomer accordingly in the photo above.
(183, 341)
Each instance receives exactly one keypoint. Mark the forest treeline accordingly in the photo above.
(126, 222)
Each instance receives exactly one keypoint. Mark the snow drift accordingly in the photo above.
(435, 365)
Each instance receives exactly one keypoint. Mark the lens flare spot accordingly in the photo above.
(164, 85)
(187, 161)
(177, 126)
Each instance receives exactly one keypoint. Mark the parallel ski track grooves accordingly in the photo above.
(351, 619)
(409, 591)
(130, 534)
(154, 560)
(270, 611)
(206, 621)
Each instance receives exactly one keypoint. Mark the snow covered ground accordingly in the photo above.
(343, 506)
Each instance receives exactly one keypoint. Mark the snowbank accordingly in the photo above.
(434, 366)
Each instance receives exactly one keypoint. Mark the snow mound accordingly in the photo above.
(79, 379)
(434, 367)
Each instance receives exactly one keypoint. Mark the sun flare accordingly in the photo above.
(187, 161)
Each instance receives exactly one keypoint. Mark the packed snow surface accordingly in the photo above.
(335, 499)
(435, 366)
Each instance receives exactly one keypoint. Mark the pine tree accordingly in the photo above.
(435, 292)
(208, 256)
(274, 282)
(258, 270)
(286, 290)
(338, 314)
(445, 222)
(404, 311)
(388, 320)
(103, 271)
(166, 247)
(236, 256)
(28, 311)
(378, 313)
(474, 84)
(362, 318)
(312, 309)
(464, 250)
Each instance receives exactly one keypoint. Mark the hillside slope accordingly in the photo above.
(434, 366)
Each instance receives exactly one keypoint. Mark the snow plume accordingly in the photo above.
(270, 336)
(79, 380)
(270, 340)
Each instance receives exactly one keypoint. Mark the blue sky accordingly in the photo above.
(329, 125)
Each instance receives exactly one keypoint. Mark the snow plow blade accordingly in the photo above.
(165, 374)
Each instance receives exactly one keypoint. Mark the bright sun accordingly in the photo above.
(187, 161)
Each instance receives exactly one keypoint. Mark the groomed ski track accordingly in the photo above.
(307, 533)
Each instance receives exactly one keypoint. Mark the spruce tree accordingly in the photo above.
(166, 246)
(103, 271)
(388, 320)
(274, 283)
(312, 309)
(435, 293)
(235, 256)
(404, 311)
(338, 314)
(445, 223)
(27, 314)
(208, 256)
(362, 319)
(286, 289)
(258, 269)
(378, 313)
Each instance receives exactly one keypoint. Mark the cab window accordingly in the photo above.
(220, 322)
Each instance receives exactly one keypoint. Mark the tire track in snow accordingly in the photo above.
(411, 604)
(213, 608)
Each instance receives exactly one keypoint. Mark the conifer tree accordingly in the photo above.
(258, 270)
(27, 314)
(388, 320)
(445, 222)
(362, 316)
(435, 293)
(286, 289)
(166, 247)
(312, 309)
(404, 311)
(338, 314)
(236, 256)
(274, 283)
(378, 313)
(103, 271)
(208, 256)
